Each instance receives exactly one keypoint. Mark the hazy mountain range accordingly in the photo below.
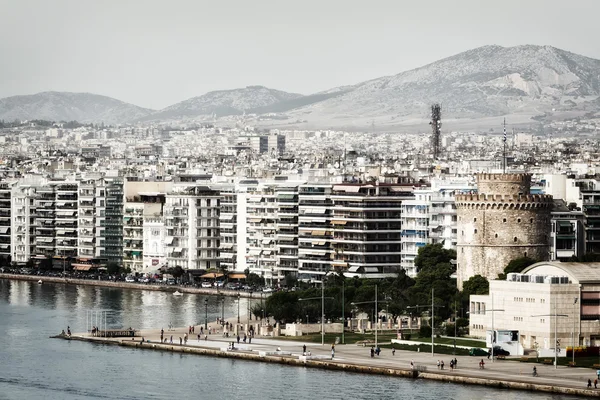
(474, 87)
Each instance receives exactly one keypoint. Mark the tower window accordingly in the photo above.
(474, 219)
(518, 219)
(531, 220)
(504, 220)
(496, 236)
(475, 231)
(515, 239)
(462, 232)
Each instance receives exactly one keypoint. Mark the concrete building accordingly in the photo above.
(529, 302)
(5, 220)
(567, 236)
(499, 223)
(193, 234)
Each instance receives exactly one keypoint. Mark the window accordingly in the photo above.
(518, 219)
(474, 219)
(531, 220)
(475, 231)
(496, 236)
(515, 239)
(504, 220)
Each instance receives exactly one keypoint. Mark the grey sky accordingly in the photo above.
(156, 53)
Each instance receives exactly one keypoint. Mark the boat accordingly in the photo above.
(177, 293)
(40, 282)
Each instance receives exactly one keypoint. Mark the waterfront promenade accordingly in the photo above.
(137, 286)
(356, 358)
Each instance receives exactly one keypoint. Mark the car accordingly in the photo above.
(499, 351)
(476, 351)
(130, 279)
(144, 279)
(206, 284)
(171, 281)
(268, 290)
(219, 283)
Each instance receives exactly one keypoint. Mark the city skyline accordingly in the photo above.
(153, 55)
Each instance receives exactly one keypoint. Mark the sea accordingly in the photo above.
(34, 366)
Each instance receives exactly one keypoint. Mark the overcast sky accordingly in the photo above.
(156, 53)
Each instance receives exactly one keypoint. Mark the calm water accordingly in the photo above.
(33, 366)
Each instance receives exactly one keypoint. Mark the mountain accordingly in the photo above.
(224, 102)
(490, 81)
(67, 106)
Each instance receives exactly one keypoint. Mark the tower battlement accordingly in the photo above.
(504, 183)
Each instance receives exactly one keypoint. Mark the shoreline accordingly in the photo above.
(327, 362)
(136, 286)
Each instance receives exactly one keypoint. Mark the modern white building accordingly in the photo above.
(526, 304)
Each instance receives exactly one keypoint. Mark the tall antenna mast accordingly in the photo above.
(504, 152)
(436, 126)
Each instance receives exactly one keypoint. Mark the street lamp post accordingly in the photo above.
(322, 314)
(555, 315)
(573, 333)
(222, 308)
(205, 314)
(376, 311)
(238, 319)
(493, 331)
(343, 314)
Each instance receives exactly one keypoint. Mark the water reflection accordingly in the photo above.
(140, 309)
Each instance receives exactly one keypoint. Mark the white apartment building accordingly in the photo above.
(430, 218)
(192, 222)
(23, 221)
(154, 256)
(5, 219)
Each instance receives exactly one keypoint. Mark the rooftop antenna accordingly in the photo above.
(504, 152)
(436, 126)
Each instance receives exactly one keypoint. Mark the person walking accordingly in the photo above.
(238, 339)
(438, 364)
(372, 351)
(455, 363)
(171, 339)
(589, 384)
(304, 349)
(595, 383)
(162, 332)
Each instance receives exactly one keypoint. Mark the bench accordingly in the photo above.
(572, 364)
(548, 362)
(524, 359)
(500, 357)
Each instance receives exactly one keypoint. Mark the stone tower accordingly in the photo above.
(503, 221)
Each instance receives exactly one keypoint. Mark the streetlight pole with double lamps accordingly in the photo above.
(493, 310)
(205, 314)
(238, 319)
(322, 313)
(573, 333)
(433, 306)
(376, 311)
(555, 315)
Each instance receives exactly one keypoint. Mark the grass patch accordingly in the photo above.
(449, 341)
(350, 337)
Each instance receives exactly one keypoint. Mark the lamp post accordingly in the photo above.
(555, 315)
(205, 314)
(343, 314)
(433, 306)
(238, 319)
(322, 314)
(250, 307)
(573, 333)
(493, 331)
(454, 351)
(222, 308)
(376, 310)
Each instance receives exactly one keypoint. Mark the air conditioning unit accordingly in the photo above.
(512, 277)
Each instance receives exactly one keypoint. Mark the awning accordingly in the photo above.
(253, 252)
(287, 239)
(318, 233)
(82, 267)
(266, 241)
(211, 275)
(136, 253)
(350, 189)
(126, 219)
(237, 276)
(226, 245)
(338, 222)
(565, 224)
(255, 220)
(4, 229)
(169, 240)
(87, 240)
(266, 252)
(353, 269)
(319, 243)
(177, 250)
(4, 246)
(319, 210)
(371, 269)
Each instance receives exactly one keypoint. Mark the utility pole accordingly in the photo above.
(432, 323)
(323, 310)
(376, 315)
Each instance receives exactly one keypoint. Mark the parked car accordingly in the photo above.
(206, 284)
(268, 290)
(219, 283)
(476, 351)
(499, 351)
(171, 281)
(130, 279)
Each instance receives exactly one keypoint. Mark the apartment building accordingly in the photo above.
(109, 206)
(315, 210)
(23, 221)
(228, 223)
(5, 220)
(191, 216)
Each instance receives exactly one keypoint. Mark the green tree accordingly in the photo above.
(290, 281)
(432, 255)
(283, 306)
(177, 272)
(253, 279)
(516, 265)
(476, 285)
(112, 268)
(46, 264)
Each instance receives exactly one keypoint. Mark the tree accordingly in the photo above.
(517, 265)
(283, 306)
(112, 268)
(476, 285)
(177, 272)
(432, 255)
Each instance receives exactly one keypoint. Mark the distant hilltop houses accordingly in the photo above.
(301, 203)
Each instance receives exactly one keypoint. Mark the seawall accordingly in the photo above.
(135, 286)
(455, 377)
